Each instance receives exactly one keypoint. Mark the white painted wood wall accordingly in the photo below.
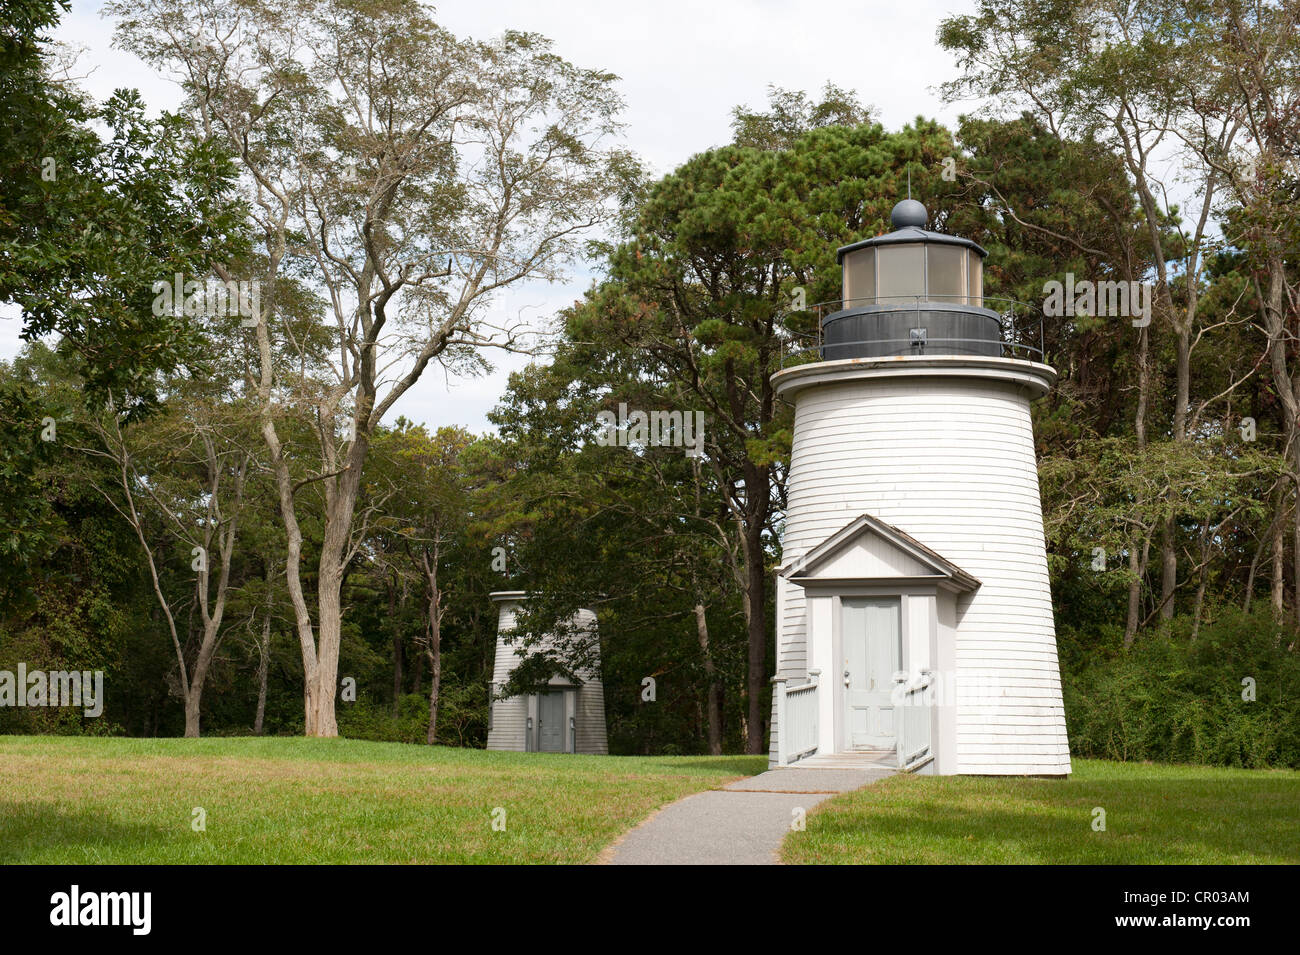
(941, 447)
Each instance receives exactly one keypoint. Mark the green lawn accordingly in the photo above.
(1154, 814)
(79, 800)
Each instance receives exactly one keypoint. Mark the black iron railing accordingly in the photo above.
(1020, 325)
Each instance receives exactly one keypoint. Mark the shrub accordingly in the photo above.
(1172, 699)
(462, 718)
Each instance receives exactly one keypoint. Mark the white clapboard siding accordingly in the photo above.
(591, 719)
(941, 448)
(509, 717)
(509, 723)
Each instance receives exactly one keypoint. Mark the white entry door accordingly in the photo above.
(872, 642)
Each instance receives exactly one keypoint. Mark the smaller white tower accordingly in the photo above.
(567, 717)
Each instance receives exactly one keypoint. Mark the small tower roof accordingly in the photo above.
(909, 219)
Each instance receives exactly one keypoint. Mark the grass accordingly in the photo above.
(79, 800)
(290, 800)
(1154, 814)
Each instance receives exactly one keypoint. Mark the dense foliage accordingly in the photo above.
(1173, 699)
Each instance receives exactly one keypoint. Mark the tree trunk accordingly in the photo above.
(434, 646)
(293, 546)
(320, 650)
(340, 508)
(192, 716)
(1279, 339)
(1136, 564)
(756, 624)
(714, 708)
(1168, 568)
(199, 676)
(398, 675)
(324, 679)
(1169, 537)
(1295, 555)
(435, 687)
(1201, 578)
(1134, 595)
(397, 644)
(1279, 556)
(1250, 577)
(264, 653)
(263, 669)
(1144, 388)
(1138, 568)
(191, 683)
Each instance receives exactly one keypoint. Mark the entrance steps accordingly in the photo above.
(869, 759)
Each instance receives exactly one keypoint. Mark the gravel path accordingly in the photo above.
(741, 824)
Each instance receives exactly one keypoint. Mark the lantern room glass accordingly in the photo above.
(860, 278)
(945, 274)
(974, 279)
(901, 275)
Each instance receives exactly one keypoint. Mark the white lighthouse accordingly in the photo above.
(914, 613)
(566, 716)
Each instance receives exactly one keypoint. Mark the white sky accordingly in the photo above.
(683, 67)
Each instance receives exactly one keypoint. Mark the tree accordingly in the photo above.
(71, 593)
(1253, 68)
(88, 224)
(641, 534)
(702, 294)
(425, 513)
(790, 114)
(410, 177)
(1059, 206)
(182, 479)
(1132, 76)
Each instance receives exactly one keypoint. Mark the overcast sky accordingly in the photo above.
(683, 67)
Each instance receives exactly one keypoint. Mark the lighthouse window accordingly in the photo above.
(902, 273)
(860, 277)
(947, 283)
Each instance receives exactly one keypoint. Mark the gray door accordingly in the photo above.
(550, 722)
(872, 643)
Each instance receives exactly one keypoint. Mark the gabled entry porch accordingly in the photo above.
(880, 616)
